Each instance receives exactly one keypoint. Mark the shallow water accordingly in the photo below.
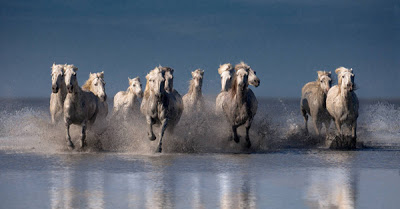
(120, 169)
(284, 179)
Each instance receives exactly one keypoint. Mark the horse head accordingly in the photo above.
(252, 77)
(346, 79)
(97, 85)
(71, 81)
(169, 78)
(155, 82)
(57, 77)
(197, 78)
(136, 87)
(324, 80)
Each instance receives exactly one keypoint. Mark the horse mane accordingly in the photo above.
(228, 68)
(323, 73)
(242, 65)
(88, 84)
(147, 89)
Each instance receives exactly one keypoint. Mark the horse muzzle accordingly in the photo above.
(54, 88)
(257, 83)
(70, 88)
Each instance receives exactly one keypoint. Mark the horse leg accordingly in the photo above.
(234, 134)
(83, 135)
(163, 127)
(150, 133)
(248, 125)
(69, 142)
(317, 125)
(338, 127)
(354, 132)
(305, 116)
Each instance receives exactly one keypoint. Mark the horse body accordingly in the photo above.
(58, 94)
(313, 101)
(160, 106)
(342, 102)
(174, 97)
(80, 107)
(126, 103)
(96, 85)
(240, 104)
(193, 100)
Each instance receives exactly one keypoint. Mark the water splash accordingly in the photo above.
(277, 125)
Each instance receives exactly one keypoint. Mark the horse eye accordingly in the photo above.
(342, 76)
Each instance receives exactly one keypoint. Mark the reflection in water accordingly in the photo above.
(332, 187)
(95, 189)
(61, 190)
(236, 192)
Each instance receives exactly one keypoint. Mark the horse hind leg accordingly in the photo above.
(317, 125)
(305, 116)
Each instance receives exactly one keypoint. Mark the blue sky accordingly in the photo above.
(285, 41)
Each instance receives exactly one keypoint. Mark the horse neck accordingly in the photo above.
(195, 92)
(131, 95)
(62, 93)
(241, 95)
(346, 98)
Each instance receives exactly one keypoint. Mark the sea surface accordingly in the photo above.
(199, 167)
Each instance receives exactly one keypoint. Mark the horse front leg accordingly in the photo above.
(354, 130)
(150, 132)
(68, 137)
(83, 135)
(164, 124)
(248, 125)
(235, 136)
(338, 127)
(305, 116)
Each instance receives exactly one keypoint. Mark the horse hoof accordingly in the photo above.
(236, 139)
(152, 138)
(159, 149)
(71, 146)
(83, 144)
(248, 144)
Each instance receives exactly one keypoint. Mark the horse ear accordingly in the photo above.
(54, 64)
(102, 74)
(202, 72)
(75, 68)
(329, 73)
(351, 70)
(192, 73)
(137, 78)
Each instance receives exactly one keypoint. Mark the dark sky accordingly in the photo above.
(285, 41)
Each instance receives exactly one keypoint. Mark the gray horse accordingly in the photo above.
(80, 107)
(159, 106)
(239, 104)
(342, 103)
(313, 102)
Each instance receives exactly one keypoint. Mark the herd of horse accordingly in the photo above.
(161, 104)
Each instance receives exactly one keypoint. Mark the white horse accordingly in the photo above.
(59, 92)
(159, 106)
(80, 107)
(313, 101)
(193, 100)
(342, 102)
(227, 73)
(96, 85)
(239, 106)
(126, 103)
